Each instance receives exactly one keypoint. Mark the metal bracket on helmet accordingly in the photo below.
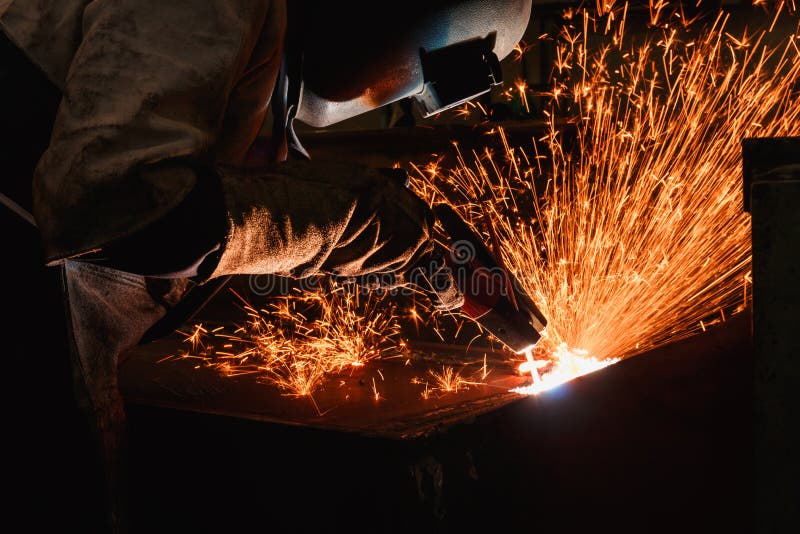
(457, 73)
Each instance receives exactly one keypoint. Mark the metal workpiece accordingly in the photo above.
(393, 398)
(772, 196)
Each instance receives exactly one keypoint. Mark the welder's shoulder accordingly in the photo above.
(148, 85)
(51, 31)
(48, 32)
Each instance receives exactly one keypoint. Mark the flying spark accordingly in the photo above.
(296, 341)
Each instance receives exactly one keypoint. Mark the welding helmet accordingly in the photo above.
(349, 58)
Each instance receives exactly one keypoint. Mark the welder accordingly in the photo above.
(135, 171)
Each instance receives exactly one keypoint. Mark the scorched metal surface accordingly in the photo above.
(345, 402)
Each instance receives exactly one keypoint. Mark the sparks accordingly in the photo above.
(522, 88)
(626, 226)
(448, 381)
(296, 341)
(196, 338)
(375, 393)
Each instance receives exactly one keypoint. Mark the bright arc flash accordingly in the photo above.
(565, 364)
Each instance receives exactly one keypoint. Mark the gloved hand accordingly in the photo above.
(437, 280)
(429, 276)
(427, 273)
(302, 218)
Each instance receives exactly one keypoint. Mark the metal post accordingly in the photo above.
(772, 196)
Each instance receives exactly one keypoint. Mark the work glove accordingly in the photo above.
(304, 218)
(427, 274)
(434, 278)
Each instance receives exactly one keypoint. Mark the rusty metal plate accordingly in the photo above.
(344, 402)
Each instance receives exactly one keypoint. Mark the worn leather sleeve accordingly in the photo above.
(302, 218)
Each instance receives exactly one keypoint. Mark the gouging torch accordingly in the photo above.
(493, 297)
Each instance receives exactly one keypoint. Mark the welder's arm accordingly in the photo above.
(301, 218)
(292, 219)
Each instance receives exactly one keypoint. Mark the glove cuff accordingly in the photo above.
(278, 227)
